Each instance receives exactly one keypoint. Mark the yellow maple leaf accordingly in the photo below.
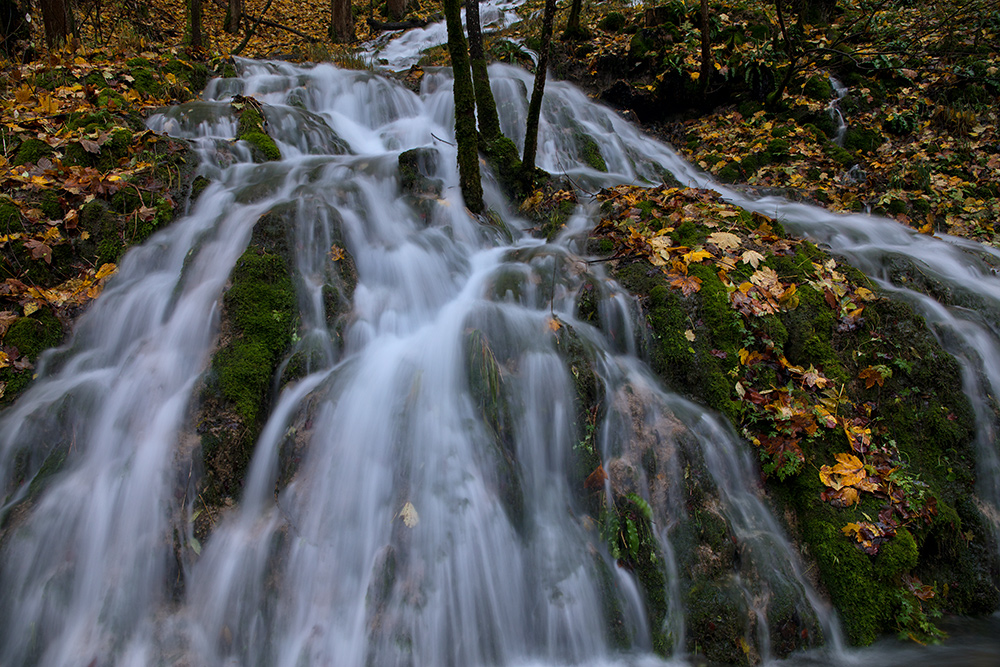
(554, 324)
(696, 256)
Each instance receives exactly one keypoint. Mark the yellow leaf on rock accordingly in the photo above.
(106, 270)
(30, 308)
(409, 515)
(554, 324)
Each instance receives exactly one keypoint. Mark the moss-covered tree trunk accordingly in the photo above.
(465, 109)
(489, 122)
(341, 21)
(535, 106)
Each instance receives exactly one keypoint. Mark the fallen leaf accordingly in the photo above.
(724, 240)
(409, 515)
(753, 258)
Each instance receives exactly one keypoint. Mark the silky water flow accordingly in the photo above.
(431, 519)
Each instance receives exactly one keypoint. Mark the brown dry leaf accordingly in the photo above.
(724, 240)
(595, 480)
(753, 258)
(767, 279)
(687, 284)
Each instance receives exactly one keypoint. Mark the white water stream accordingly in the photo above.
(326, 572)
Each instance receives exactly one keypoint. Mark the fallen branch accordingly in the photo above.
(273, 24)
(396, 25)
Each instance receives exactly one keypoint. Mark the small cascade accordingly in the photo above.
(833, 108)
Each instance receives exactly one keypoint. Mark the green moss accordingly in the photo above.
(591, 152)
(612, 22)
(264, 146)
(261, 306)
(863, 139)
(31, 151)
(10, 218)
(146, 81)
(864, 601)
(34, 334)
(818, 88)
(898, 556)
(50, 205)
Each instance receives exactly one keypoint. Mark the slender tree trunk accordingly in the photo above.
(396, 9)
(57, 21)
(194, 8)
(707, 66)
(489, 122)
(234, 16)
(341, 21)
(535, 106)
(465, 109)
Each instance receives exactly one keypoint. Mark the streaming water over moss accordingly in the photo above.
(415, 495)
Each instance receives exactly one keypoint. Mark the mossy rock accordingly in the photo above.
(33, 334)
(31, 151)
(10, 217)
(261, 305)
(818, 88)
(590, 152)
(612, 22)
(862, 139)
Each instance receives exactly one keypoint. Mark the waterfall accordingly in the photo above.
(432, 518)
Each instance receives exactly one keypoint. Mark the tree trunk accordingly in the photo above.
(574, 31)
(234, 16)
(707, 66)
(341, 21)
(396, 9)
(194, 9)
(489, 122)
(57, 21)
(12, 26)
(535, 106)
(465, 109)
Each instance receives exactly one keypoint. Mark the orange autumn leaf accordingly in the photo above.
(687, 284)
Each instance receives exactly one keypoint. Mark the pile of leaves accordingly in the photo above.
(81, 179)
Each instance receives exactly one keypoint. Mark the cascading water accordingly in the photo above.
(430, 520)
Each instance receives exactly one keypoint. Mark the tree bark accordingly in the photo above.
(535, 106)
(396, 9)
(707, 66)
(489, 122)
(57, 21)
(465, 109)
(234, 16)
(341, 21)
(574, 31)
(194, 8)
(12, 26)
